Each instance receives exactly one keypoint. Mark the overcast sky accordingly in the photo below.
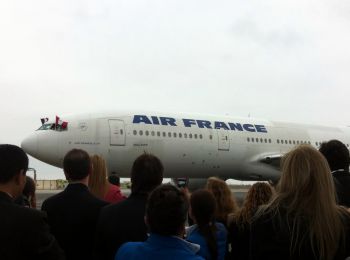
(282, 60)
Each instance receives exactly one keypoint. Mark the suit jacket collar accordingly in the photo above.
(4, 197)
(76, 187)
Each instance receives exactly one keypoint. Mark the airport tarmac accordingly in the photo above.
(42, 195)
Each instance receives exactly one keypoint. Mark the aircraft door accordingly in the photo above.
(116, 132)
(223, 140)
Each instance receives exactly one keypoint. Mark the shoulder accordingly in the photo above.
(52, 200)
(128, 249)
(114, 194)
(220, 226)
(32, 214)
(221, 229)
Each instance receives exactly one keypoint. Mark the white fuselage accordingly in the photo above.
(188, 145)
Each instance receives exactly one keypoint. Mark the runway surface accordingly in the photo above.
(42, 195)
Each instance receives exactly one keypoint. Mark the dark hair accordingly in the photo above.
(336, 153)
(203, 206)
(76, 164)
(166, 210)
(12, 160)
(114, 179)
(146, 173)
(29, 187)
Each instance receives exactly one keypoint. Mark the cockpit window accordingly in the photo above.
(52, 126)
(46, 126)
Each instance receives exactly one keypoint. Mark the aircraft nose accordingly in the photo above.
(30, 145)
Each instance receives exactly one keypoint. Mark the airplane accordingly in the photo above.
(194, 147)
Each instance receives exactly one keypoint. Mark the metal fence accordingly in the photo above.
(50, 184)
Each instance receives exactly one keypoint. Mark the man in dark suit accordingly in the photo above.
(73, 213)
(338, 158)
(124, 221)
(24, 232)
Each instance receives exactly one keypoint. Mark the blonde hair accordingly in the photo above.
(98, 183)
(306, 192)
(226, 204)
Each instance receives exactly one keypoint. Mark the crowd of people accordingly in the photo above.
(305, 216)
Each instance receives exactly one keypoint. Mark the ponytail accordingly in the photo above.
(208, 231)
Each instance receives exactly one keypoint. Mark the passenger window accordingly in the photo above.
(252, 140)
(257, 140)
(147, 133)
(152, 133)
(164, 134)
(270, 141)
(158, 133)
(195, 136)
(265, 140)
(169, 134)
(190, 135)
(201, 136)
(141, 132)
(261, 140)
(175, 134)
(180, 135)
(210, 137)
(278, 141)
(282, 141)
(248, 139)
(135, 132)
(121, 131)
(185, 135)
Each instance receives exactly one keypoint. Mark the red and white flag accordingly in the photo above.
(44, 120)
(61, 123)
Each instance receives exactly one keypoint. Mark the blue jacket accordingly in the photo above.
(194, 236)
(159, 247)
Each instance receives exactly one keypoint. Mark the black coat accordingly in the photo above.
(120, 223)
(239, 239)
(72, 216)
(24, 233)
(342, 186)
(271, 240)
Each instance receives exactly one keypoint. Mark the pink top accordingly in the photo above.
(114, 194)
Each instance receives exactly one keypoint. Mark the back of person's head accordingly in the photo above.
(114, 179)
(29, 187)
(76, 165)
(166, 210)
(336, 153)
(98, 177)
(202, 209)
(306, 193)
(226, 204)
(259, 194)
(12, 160)
(146, 173)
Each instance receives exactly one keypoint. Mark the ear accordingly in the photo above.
(66, 175)
(20, 178)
